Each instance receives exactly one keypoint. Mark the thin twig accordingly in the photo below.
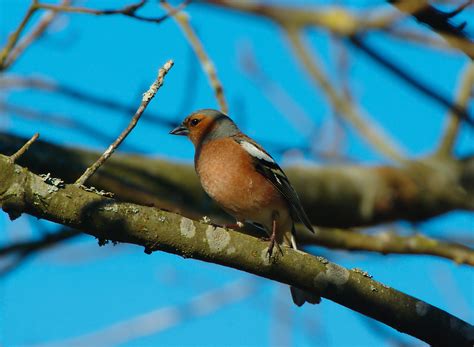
(207, 65)
(464, 95)
(429, 40)
(129, 11)
(440, 22)
(23, 149)
(33, 35)
(345, 108)
(81, 95)
(14, 37)
(62, 121)
(422, 87)
(389, 242)
(277, 95)
(147, 96)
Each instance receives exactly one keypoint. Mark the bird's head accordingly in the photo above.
(206, 125)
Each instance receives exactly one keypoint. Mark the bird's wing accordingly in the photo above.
(266, 165)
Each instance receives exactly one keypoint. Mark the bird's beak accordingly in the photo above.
(180, 130)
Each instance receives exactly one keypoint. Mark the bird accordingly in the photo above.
(245, 181)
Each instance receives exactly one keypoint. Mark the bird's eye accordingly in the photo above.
(195, 122)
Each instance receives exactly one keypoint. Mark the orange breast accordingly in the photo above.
(227, 174)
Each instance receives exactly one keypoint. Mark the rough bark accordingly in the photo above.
(24, 192)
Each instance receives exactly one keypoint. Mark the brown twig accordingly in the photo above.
(129, 11)
(207, 64)
(23, 149)
(422, 87)
(147, 96)
(277, 95)
(33, 35)
(14, 37)
(81, 95)
(345, 108)
(389, 242)
(332, 18)
(23, 250)
(466, 87)
(440, 22)
(432, 41)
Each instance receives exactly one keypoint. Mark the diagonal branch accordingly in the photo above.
(466, 88)
(147, 96)
(35, 33)
(422, 87)
(379, 140)
(105, 218)
(440, 22)
(196, 44)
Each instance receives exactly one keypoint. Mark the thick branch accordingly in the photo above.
(333, 195)
(23, 192)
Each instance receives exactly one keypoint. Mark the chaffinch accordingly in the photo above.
(245, 181)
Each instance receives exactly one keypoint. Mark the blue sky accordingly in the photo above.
(81, 288)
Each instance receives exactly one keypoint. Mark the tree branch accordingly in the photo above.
(35, 33)
(333, 195)
(206, 63)
(388, 242)
(105, 218)
(466, 88)
(147, 97)
(439, 22)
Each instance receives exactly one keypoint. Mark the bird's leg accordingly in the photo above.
(273, 236)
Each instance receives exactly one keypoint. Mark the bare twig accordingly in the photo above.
(207, 64)
(416, 83)
(277, 95)
(466, 86)
(333, 18)
(440, 22)
(23, 250)
(372, 134)
(389, 242)
(81, 95)
(35, 33)
(14, 37)
(62, 121)
(23, 149)
(429, 40)
(129, 11)
(147, 96)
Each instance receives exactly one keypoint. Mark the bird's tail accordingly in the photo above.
(298, 295)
